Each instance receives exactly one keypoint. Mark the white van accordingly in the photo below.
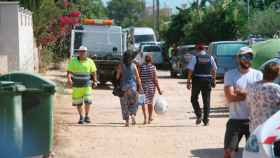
(142, 34)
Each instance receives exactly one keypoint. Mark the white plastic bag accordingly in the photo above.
(161, 105)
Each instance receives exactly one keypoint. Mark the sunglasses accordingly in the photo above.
(246, 57)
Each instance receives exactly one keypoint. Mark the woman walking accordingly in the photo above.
(150, 84)
(130, 84)
(263, 97)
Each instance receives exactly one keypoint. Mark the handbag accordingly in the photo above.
(117, 91)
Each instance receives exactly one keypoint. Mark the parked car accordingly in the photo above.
(224, 54)
(181, 59)
(146, 43)
(264, 142)
(156, 52)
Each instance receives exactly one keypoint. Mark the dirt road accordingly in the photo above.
(173, 135)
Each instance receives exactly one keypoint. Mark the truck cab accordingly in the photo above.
(104, 43)
(140, 35)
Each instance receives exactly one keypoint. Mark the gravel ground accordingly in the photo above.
(173, 135)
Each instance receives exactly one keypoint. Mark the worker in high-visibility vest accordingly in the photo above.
(81, 75)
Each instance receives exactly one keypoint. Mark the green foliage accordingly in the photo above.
(126, 12)
(91, 8)
(265, 23)
(175, 33)
(222, 20)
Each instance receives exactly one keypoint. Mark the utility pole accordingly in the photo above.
(154, 17)
(248, 9)
(158, 8)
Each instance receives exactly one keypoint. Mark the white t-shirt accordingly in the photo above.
(240, 110)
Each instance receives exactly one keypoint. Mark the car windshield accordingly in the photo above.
(151, 49)
(229, 49)
(143, 38)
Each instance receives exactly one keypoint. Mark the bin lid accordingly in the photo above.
(9, 86)
(32, 82)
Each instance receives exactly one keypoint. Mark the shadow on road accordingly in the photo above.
(104, 87)
(212, 153)
(217, 112)
(122, 125)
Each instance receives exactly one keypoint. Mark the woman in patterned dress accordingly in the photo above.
(150, 84)
(130, 84)
(263, 97)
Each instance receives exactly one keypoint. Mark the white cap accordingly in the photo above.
(245, 50)
(82, 48)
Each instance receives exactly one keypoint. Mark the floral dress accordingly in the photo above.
(128, 85)
(263, 100)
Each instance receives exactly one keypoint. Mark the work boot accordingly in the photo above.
(205, 122)
(87, 119)
(198, 120)
(81, 121)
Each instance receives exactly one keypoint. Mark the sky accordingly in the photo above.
(171, 3)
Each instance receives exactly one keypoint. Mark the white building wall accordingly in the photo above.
(16, 37)
(26, 54)
(9, 43)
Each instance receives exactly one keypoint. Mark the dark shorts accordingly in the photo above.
(234, 132)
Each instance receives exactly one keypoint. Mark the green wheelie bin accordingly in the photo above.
(37, 109)
(11, 136)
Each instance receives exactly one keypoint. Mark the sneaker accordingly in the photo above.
(81, 121)
(205, 122)
(198, 121)
(87, 119)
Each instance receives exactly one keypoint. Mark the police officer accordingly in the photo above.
(202, 72)
(81, 75)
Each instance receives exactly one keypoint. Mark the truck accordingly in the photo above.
(104, 42)
(138, 35)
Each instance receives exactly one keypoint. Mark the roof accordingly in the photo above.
(186, 46)
(9, 3)
(143, 30)
(227, 42)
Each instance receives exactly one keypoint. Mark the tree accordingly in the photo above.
(222, 20)
(91, 8)
(126, 12)
(265, 23)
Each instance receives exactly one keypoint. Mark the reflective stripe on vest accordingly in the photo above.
(81, 79)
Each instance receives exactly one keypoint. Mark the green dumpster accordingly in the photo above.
(37, 102)
(11, 119)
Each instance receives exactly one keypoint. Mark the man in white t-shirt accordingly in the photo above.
(235, 83)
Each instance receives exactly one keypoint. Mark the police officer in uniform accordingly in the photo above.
(202, 72)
